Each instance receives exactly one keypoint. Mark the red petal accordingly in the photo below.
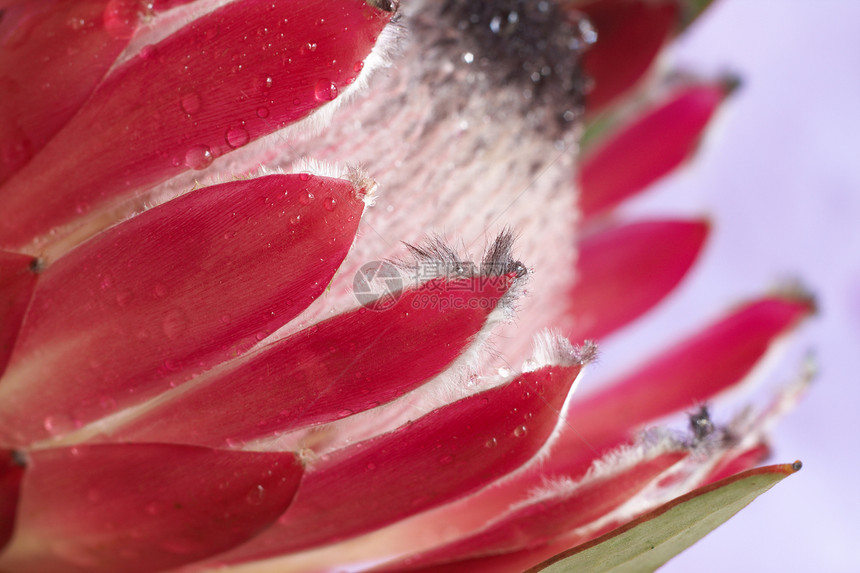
(647, 149)
(736, 462)
(446, 454)
(630, 34)
(347, 364)
(143, 507)
(170, 293)
(692, 372)
(541, 520)
(11, 473)
(71, 49)
(195, 96)
(625, 271)
(18, 274)
(75, 43)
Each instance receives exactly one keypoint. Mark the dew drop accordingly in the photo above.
(198, 157)
(371, 466)
(262, 112)
(159, 290)
(82, 208)
(520, 431)
(191, 103)
(358, 66)
(171, 366)
(306, 198)
(148, 52)
(330, 203)
(175, 323)
(237, 137)
(256, 496)
(155, 508)
(120, 18)
(59, 424)
(491, 443)
(304, 176)
(325, 90)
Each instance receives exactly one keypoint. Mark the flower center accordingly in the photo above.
(531, 47)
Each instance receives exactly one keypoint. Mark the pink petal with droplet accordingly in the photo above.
(446, 454)
(190, 99)
(18, 275)
(161, 297)
(143, 507)
(535, 523)
(626, 270)
(347, 364)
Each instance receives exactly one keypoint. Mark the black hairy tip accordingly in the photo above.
(499, 260)
(37, 265)
(533, 45)
(384, 5)
(701, 424)
(18, 458)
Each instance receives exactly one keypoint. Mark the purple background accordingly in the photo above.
(780, 177)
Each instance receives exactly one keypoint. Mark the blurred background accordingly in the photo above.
(779, 174)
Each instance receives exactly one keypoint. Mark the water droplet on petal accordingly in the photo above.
(59, 424)
(358, 66)
(330, 203)
(120, 18)
(159, 290)
(371, 466)
(256, 495)
(325, 90)
(491, 443)
(262, 112)
(306, 198)
(155, 507)
(198, 157)
(237, 137)
(175, 323)
(148, 52)
(191, 103)
(520, 431)
(304, 176)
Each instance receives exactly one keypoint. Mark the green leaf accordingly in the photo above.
(651, 540)
(691, 10)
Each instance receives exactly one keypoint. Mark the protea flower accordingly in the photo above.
(214, 356)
